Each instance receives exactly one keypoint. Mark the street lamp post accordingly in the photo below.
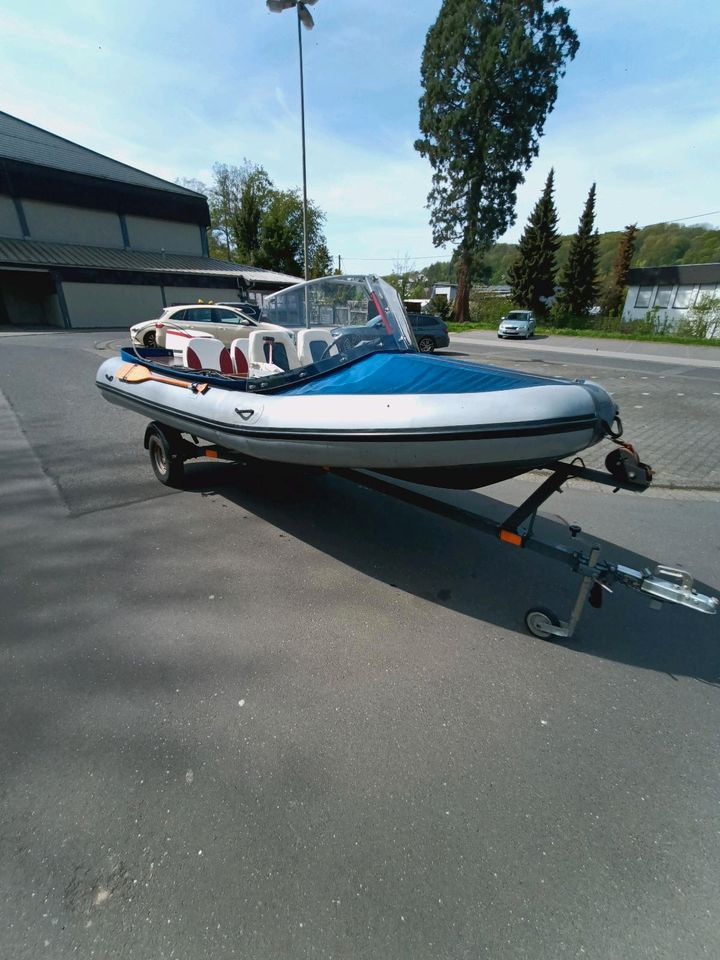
(304, 19)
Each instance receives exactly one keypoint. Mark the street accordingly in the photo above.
(281, 716)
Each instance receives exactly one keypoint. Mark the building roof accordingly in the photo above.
(31, 253)
(681, 273)
(25, 143)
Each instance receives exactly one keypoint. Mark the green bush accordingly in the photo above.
(439, 307)
(488, 311)
(703, 320)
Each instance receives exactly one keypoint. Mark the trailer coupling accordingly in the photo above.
(667, 584)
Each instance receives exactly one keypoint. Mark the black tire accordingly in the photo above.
(538, 618)
(167, 465)
(426, 344)
(150, 339)
(500, 337)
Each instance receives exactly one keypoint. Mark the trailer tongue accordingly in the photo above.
(664, 584)
(169, 450)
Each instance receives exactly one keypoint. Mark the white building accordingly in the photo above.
(670, 292)
(448, 290)
(86, 241)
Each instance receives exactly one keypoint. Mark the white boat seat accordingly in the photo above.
(207, 353)
(312, 344)
(239, 354)
(273, 346)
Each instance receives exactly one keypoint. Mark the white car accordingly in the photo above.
(225, 323)
(518, 323)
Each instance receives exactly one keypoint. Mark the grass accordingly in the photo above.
(594, 334)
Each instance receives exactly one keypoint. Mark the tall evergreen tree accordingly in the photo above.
(532, 274)
(578, 279)
(614, 297)
(490, 70)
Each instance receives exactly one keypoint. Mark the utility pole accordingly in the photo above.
(305, 19)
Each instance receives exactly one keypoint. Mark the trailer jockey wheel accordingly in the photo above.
(166, 462)
(538, 620)
(624, 465)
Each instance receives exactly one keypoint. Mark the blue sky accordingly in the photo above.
(174, 87)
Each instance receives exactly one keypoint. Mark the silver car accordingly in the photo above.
(225, 323)
(518, 323)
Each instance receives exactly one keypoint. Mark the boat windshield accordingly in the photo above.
(343, 317)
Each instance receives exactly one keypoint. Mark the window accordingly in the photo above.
(227, 316)
(198, 315)
(662, 297)
(685, 296)
(177, 315)
(644, 295)
(706, 290)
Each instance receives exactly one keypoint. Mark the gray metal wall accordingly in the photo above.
(9, 222)
(111, 304)
(60, 223)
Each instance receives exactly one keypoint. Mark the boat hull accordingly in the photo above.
(433, 438)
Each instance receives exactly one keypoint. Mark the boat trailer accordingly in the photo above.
(169, 450)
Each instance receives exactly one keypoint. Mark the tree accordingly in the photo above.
(532, 274)
(281, 232)
(321, 263)
(490, 70)
(402, 276)
(238, 199)
(222, 202)
(614, 297)
(255, 195)
(253, 223)
(578, 280)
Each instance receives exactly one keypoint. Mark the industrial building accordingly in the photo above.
(86, 241)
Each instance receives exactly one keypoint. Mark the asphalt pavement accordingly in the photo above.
(668, 394)
(276, 715)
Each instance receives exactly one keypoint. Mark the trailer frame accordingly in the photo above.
(169, 449)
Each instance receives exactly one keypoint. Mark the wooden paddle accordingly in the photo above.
(136, 373)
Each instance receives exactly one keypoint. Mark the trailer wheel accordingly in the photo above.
(167, 465)
(538, 620)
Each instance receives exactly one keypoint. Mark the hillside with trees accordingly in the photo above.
(658, 245)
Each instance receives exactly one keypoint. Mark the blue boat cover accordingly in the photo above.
(398, 373)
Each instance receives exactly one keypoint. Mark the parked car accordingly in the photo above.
(518, 323)
(430, 331)
(225, 323)
(244, 306)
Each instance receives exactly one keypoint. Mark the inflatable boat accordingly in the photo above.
(344, 385)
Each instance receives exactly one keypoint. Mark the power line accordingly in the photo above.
(697, 216)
